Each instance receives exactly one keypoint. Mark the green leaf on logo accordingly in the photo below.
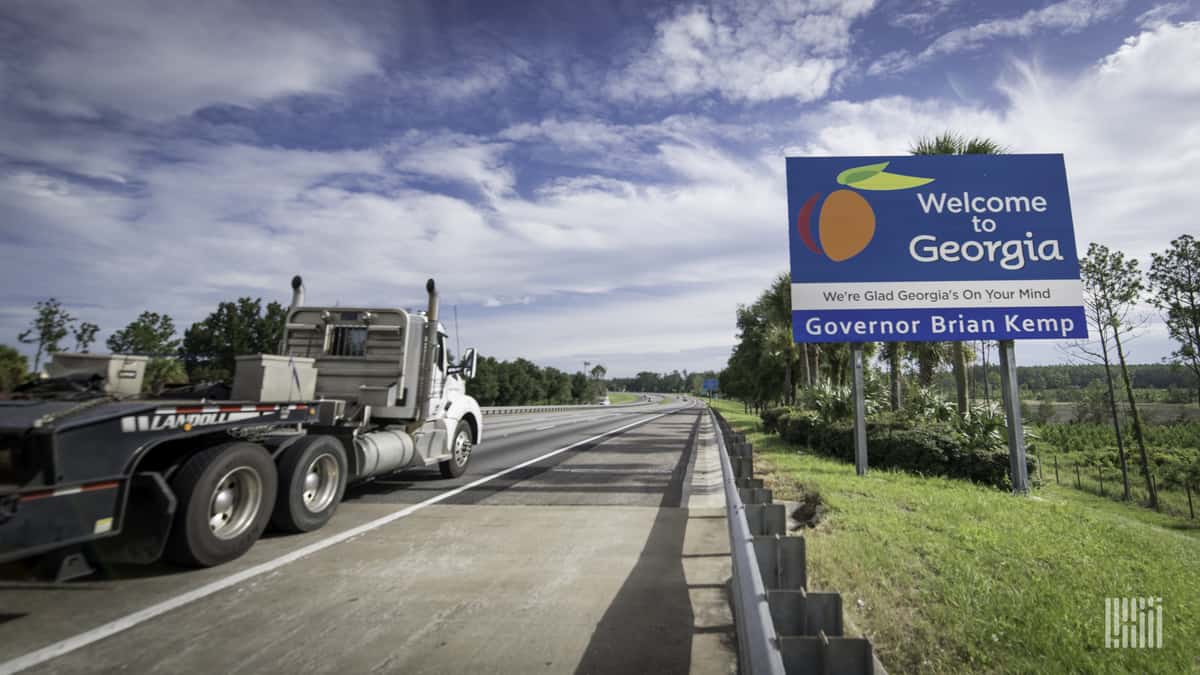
(858, 173)
(889, 181)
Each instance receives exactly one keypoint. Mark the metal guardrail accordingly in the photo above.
(520, 409)
(782, 627)
(758, 645)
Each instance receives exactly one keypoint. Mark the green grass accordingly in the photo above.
(949, 577)
(615, 397)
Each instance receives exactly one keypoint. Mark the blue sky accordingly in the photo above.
(597, 180)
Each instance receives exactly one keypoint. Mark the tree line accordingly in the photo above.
(1037, 379)
(674, 382)
(522, 382)
(207, 351)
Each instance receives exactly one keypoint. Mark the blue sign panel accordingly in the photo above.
(941, 247)
(710, 385)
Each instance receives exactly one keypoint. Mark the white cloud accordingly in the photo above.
(218, 222)
(743, 51)
(454, 84)
(158, 60)
(1066, 16)
(916, 15)
(1160, 14)
(454, 157)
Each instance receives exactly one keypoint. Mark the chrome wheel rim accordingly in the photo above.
(462, 448)
(235, 502)
(320, 483)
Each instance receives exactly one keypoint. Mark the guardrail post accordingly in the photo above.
(782, 562)
(766, 519)
(799, 612)
(743, 467)
(758, 495)
(824, 654)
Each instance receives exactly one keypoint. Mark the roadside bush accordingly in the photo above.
(796, 427)
(934, 449)
(925, 404)
(834, 403)
(770, 418)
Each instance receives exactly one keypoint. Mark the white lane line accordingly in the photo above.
(115, 626)
(590, 419)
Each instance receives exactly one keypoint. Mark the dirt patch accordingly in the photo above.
(811, 507)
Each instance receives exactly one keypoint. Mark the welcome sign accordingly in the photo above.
(939, 247)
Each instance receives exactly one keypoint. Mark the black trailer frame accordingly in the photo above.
(69, 470)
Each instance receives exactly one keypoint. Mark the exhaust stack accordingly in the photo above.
(297, 292)
(428, 349)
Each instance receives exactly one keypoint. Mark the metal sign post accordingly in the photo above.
(1018, 469)
(860, 411)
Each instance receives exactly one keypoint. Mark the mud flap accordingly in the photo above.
(64, 565)
(149, 513)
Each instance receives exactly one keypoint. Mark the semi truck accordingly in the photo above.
(98, 473)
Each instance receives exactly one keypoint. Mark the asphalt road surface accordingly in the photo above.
(564, 548)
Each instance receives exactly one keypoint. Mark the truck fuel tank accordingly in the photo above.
(383, 451)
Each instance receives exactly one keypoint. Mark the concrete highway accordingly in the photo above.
(566, 547)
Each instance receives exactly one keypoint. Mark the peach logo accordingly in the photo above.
(846, 223)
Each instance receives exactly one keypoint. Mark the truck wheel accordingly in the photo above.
(225, 494)
(312, 478)
(460, 452)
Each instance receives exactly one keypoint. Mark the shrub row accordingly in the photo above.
(935, 449)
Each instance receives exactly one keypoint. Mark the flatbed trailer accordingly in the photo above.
(74, 465)
(92, 478)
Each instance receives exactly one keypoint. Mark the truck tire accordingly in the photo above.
(225, 494)
(312, 478)
(460, 452)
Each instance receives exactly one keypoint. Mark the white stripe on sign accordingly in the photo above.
(129, 621)
(937, 294)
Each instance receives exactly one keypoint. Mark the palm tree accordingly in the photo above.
(928, 355)
(950, 143)
(782, 345)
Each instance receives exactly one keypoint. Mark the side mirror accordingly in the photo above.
(470, 362)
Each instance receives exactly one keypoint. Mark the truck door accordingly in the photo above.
(437, 380)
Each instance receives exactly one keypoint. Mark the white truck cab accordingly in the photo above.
(389, 369)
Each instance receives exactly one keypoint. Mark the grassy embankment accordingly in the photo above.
(615, 397)
(949, 577)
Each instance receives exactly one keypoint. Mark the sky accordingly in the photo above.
(598, 180)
